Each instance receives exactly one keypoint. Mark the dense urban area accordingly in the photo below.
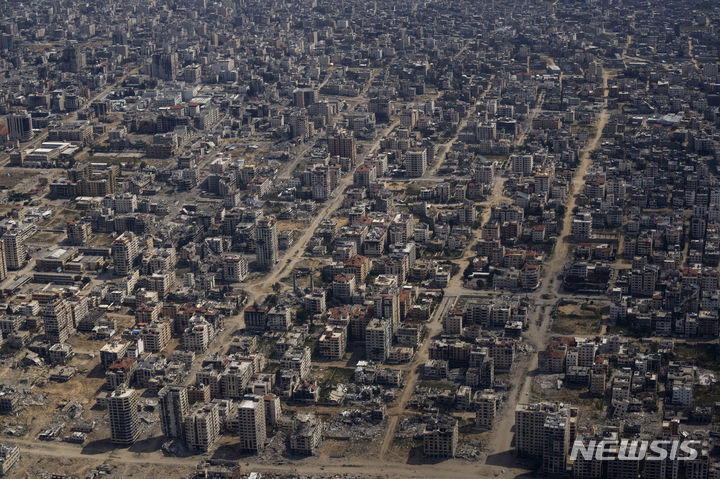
(359, 238)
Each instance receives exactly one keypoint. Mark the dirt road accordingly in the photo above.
(311, 466)
(539, 325)
(434, 327)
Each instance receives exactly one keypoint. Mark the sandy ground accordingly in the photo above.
(286, 225)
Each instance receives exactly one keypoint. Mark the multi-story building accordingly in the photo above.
(343, 286)
(387, 306)
(440, 437)
(378, 339)
(266, 243)
(300, 127)
(202, 427)
(3, 263)
(314, 302)
(234, 379)
(125, 249)
(14, 248)
(255, 317)
(73, 58)
(148, 313)
(78, 232)
(630, 466)
(251, 424)
(333, 342)
(76, 132)
(161, 283)
(320, 182)
(198, 335)
(586, 354)
(530, 427)
(556, 442)
(592, 468)
(156, 335)
(453, 324)
(113, 351)
(174, 409)
(20, 126)
(364, 175)
(306, 435)
(164, 66)
(416, 162)
(123, 412)
(235, 269)
(57, 318)
(304, 97)
(342, 144)
(522, 164)
(485, 409)
(485, 173)
(298, 359)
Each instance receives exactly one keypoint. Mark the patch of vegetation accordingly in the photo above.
(438, 385)
(181, 272)
(618, 330)
(463, 300)
(702, 355)
(337, 376)
(271, 368)
(407, 443)
(412, 190)
(586, 320)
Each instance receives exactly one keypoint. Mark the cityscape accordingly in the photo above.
(360, 238)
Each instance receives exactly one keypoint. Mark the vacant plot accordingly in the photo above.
(46, 238)
(10, 177)
(61, 217)
(395, 185)
(579, 397)
(102, 239)
(443, 385)
(576, 319)
(333, 376)
(286, 225)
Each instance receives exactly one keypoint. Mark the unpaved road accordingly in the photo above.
(539, 325)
